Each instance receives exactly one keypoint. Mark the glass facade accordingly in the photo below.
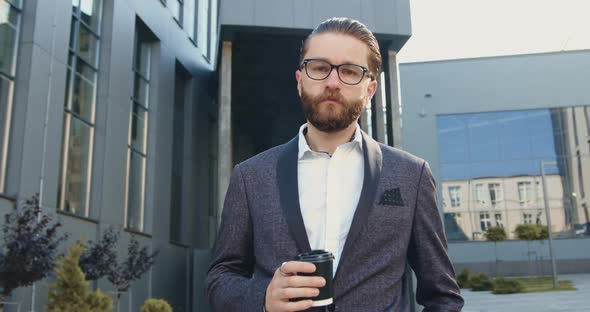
(138, 130)
(490, 166)
(79, 107)
(10, 14)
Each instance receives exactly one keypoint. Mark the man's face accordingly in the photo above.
(331, 105)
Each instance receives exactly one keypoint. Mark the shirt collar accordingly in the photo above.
(304, 147)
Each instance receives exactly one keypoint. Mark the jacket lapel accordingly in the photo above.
(373, 165)
(289, 193)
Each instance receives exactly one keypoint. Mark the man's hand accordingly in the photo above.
(285, 285)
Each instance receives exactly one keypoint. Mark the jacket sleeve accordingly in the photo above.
(437, 289)
(230, 282)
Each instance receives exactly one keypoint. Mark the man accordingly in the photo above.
(333, 188)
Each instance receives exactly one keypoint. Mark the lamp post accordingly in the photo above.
(550, 235)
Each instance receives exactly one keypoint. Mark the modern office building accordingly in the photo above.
(106, 110)
(131, 114)
(508, 139)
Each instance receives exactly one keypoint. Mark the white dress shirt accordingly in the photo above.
(329, 191)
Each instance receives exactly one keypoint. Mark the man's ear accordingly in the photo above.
(372, 88)
(298, 78)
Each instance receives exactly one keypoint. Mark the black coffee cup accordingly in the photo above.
(323, 262)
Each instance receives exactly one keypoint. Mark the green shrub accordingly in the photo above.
(495, 234)
(531, 231)
(507, 286)
(481, 282)
(155, 305)
(464, 279)
(70, 292)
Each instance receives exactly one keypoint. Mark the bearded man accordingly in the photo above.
(333, 188)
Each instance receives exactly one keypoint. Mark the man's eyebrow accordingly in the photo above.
(326, 60)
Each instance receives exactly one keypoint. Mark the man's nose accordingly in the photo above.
(333, 80)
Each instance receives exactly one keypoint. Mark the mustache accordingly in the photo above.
(331, 95)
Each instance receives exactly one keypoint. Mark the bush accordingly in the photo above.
(155, 305)
(495, 234)
(507, 286)
(70, 292)
(481, 282)
(29, 246)
(531, 231)
(464, 279)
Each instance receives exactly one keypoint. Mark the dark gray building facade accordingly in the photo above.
(106, 110)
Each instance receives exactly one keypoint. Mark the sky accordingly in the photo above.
(495, 144)
(453, 29)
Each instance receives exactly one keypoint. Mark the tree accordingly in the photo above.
(100, 260)
(70, 292)
(496, 234)
(139, 260)
(101, 256)
(29, 248)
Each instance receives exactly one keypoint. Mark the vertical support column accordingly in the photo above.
(365, 121)
(224, 124)
(396, 105)
(380, 118)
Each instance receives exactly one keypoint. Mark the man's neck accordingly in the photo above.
(327, 142)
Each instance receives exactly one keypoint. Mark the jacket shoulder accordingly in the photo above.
(400, 156)
(266, 159)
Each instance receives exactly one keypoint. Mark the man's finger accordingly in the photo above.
(303, 281)
(298, 292)
(294, 267)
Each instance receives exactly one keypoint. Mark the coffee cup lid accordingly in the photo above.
(315, 255)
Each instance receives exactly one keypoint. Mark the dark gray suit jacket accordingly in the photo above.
(396, 222)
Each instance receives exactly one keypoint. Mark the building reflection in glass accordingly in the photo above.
(490, 167)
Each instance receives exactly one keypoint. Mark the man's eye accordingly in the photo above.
(350, 72)
(320, 68)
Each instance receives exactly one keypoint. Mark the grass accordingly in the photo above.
(544, 284)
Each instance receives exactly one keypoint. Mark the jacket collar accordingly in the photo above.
(289, 192)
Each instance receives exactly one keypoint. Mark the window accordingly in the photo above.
(539, 219)
(587, 119)
(527, 218)
(484, 221)
(138, 129)
(177, 222)
(79, 107)
(498, 218)
(495, 193)
(455, 196)
(10, 14)
(480, 194)
(575, 126)
(525, 190)
(203, 30)
(580, 174)
(176, 7)
(189, 18)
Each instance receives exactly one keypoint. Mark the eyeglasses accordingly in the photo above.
(350, 74)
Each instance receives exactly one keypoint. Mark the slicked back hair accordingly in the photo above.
(350, 27)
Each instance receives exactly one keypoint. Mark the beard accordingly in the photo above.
(330, 117)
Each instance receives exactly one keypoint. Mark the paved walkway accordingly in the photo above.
(558, 301)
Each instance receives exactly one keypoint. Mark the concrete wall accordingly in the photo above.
(39, 95)
(521, 258)
(388, 17)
